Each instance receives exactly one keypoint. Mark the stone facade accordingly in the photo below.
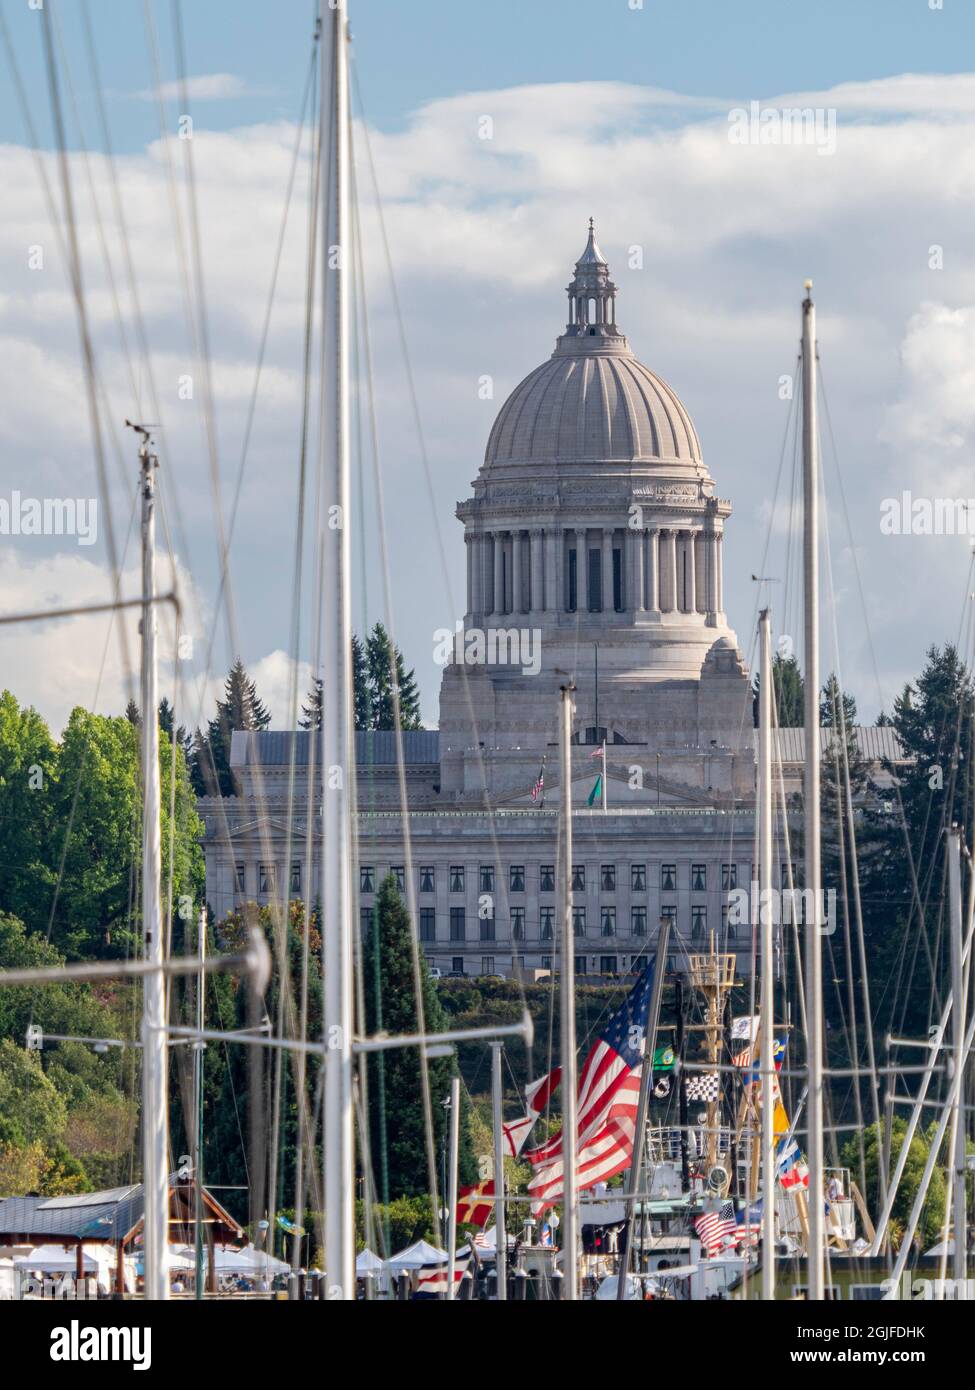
(594, 553)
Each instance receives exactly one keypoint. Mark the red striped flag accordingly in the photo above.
(609, 1091)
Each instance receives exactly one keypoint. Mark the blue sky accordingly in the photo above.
(410, 52)
(599, 109)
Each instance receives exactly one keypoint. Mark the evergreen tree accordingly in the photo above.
(789, 692)
(397, 1125)
(312, 708)
(388, 676)
(166, 724)
(240, 709)
(361, 695)
(132, 714)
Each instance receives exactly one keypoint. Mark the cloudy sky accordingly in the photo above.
(609, 109)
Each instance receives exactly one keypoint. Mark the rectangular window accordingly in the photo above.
(699, 923)
(618, 580)
(546, 923)
(295, 878)
(638, 921)
(669, 910)
(729, 876)
(516, 878)
(428, 879)
(486, 928)
(579, 921)
(607, 878)
(546, 962)
(487, 965)
(518, 924)
(582, 965)
(367, 879)
(668, 878)
(399, 874)
(607, 965)
(486, 878)
(785, 875)
(607, 921)
(546, 878)
(699, 878)
(578, 878)
(729, 930)
(365, 921)
(638, 878)
(573, 582)
(456, 878)
(457, 964)
(266, 878)
(458, 930)
(595, 572)
(428, 924)
(240, 877)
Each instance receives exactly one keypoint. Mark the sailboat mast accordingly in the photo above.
(500, 1224)
(155, 1050)
(958, 1016)
(567, 1021)
(337, 761)
(812, 852)
(765, 957)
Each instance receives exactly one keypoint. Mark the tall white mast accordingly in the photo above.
(500, 1224)
(155, 1047)
(567, 1021)
(767, 994)
(958, 1016)
(337, 760)
(812, 854)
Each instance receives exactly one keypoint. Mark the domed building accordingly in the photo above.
(594, 554)
(595, 533)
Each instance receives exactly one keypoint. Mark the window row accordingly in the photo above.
(546, 929)
(267, 879)
(607, 879)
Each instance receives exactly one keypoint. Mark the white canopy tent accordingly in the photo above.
(415, 1256)
(248, 1261)
(366, 1262)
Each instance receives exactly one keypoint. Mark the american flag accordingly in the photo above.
(432, 1278)
(609, 1090)
(539, 784)
(714, 1227)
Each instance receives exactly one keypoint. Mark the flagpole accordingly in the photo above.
(604, 777)
(567, 1021)
(500, 1229)
(766, 995)
(454, 1164)
(646, 1079)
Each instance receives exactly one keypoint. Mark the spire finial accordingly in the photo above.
(591, 225)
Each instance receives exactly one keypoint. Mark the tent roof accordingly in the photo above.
(55, 1259)
(415, 1255)
(367, 1260)
(247, 1261)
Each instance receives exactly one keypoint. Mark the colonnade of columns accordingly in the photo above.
(596, 569)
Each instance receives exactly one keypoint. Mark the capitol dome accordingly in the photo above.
(592, 400)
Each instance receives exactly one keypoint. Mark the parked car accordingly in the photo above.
(435, 972)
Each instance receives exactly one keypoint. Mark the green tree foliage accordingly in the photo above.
(396, 1115)
(377, 668)
(789, 692)
(933, 1214)
(28, 770)
(240, 709)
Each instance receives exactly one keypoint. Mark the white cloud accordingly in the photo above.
(213, 86)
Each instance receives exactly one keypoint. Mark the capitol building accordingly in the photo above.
(594, 538)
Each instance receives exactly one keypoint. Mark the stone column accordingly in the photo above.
(712, 594)
(701, 572)
(607, 570)
(517, 587)
(486, 549)
(537, 581)
(552, 541)
(653, 571)
(471, 542)
(689, 587)
(668, 571)
(582, 568)
(499, 571)
(636, 599)
(718, 576)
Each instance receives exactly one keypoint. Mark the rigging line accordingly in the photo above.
(73, 260)
(397, 718)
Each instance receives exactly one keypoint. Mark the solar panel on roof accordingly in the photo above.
(87, 1199)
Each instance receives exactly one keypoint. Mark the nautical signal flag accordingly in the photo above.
(597, 790)
(472, 1210)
